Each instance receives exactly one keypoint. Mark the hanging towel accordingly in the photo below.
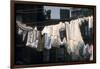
(32, 40)
(29, 38)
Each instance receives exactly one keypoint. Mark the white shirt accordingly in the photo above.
(90, 21)
(73, 34)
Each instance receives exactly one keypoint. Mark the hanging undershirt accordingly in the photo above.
(73, 35)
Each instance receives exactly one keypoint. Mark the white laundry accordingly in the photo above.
(48, 30)
(55, 30)
(90, 21)
(47, 41)
(34, 44)
(29, 38)
(73, 35)
(76, 31)
(56, 40)
(32, 40)
(23, 29)
(23, 26)
(62, 34)
(67, 30)
(61, 26)
(51, 34)
(48, 33)
(90, 50)
(63, 42)
(85, 50)
(20, 31)
(24, 35)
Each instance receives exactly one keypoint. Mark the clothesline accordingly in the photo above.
(41, 25)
